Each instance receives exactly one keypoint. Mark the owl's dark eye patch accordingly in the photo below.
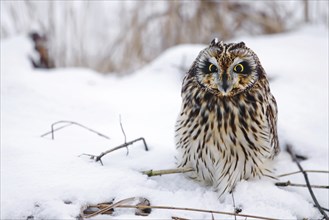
(242, 68)
(209, 67)
(212, 68)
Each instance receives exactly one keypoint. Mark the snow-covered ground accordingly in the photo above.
(39, 175)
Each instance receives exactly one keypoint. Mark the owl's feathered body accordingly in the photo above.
(226, 130)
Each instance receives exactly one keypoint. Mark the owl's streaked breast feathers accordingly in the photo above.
(227, 128)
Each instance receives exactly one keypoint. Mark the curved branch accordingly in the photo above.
(69, 123)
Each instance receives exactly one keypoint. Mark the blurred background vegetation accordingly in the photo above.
(121, 36)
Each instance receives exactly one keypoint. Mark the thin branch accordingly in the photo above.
(288, 183)
(125, 145)
(69, 123)
(164, 172)
(195, 210)
(294, 158)
(308, 171)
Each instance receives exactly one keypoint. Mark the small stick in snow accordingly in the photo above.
(164, 172)
(288, 183)
(295, 159)
(69, 123)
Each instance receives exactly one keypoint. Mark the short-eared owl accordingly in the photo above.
(227, 128)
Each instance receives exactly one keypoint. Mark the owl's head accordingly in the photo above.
(227, 69)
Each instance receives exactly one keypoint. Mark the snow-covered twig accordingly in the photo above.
(288, 183)
(69, 123)
(108, 208)
(294, 158)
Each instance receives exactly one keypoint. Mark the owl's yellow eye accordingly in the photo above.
(239, 68)
(212, 68)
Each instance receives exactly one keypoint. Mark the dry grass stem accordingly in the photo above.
(104, 208)
(197, 210)
(307, 171)
(168, 171)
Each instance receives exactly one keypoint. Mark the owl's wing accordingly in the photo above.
(272, 117)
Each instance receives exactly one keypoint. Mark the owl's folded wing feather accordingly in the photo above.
(272, 117)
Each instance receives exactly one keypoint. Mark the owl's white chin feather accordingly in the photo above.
(224, 93)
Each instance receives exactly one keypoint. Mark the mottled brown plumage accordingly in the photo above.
(226, 129)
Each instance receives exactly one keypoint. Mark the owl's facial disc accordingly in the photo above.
(226, 77)
(226, 69)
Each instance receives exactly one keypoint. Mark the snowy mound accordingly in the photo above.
(46, 179)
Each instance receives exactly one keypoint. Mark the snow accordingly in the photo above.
(39, 175)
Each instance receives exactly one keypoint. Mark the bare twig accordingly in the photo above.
(196, 210)
(169, 171)
(69, 123)
(294, 158)
(288, 183)
(307, 171)
(125, 145)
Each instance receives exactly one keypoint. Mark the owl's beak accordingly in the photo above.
(225, 84)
